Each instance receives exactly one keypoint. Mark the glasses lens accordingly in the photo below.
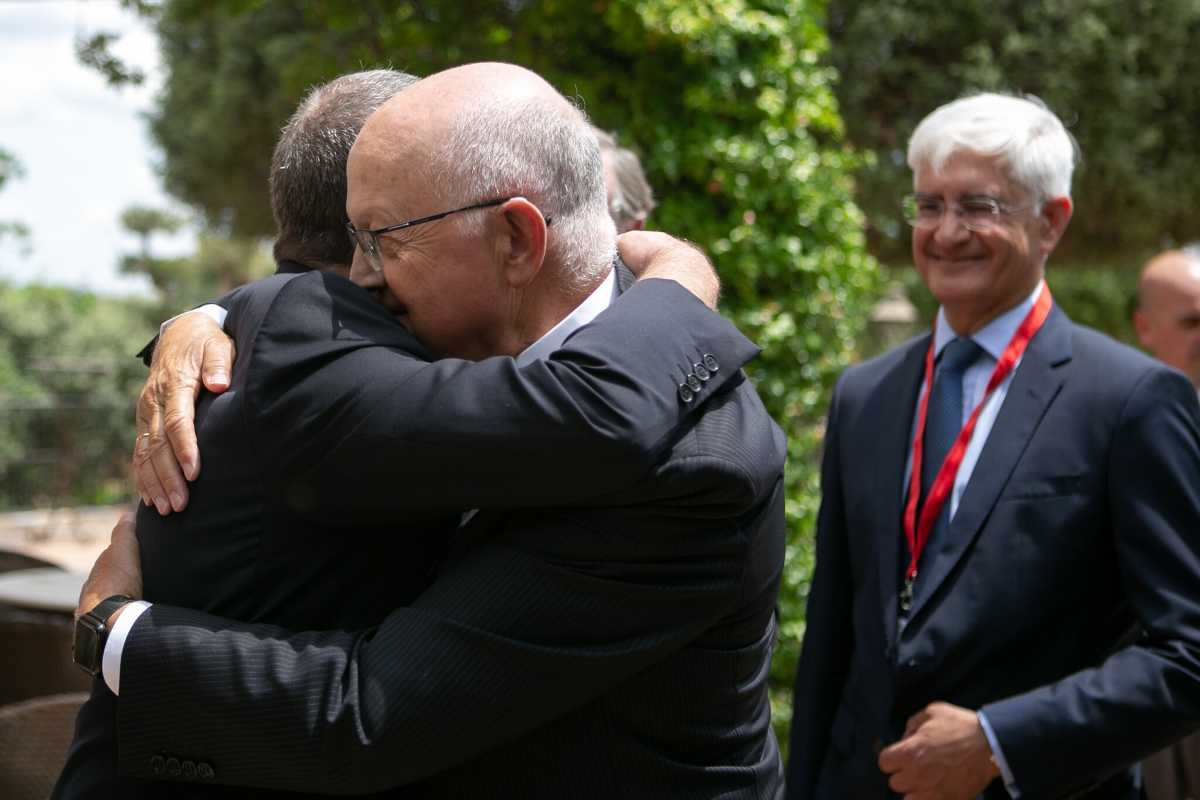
(980, 214)
(365, 241)
(921, 212)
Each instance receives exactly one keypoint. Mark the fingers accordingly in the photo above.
(159, 478)
(179, 426)
(217, 364)
(916, 721)
(639, 248)
(892, 758)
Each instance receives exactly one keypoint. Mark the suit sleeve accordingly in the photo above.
(382, 431)
(828, 633)
(520, 631)
(1093, 723)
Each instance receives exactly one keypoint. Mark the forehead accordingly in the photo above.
(965, 173)
(382, 175)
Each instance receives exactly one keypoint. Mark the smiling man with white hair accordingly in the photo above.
(1006, 601)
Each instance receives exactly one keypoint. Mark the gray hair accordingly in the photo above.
(308, 170)
(538, 150)
(630, 197)
(1022, 132)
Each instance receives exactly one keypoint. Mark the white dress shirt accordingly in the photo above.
(551, 340)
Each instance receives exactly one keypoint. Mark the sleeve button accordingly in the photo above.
(685, 393)
(205, 771)
(173, 767)
(710, 362)
(701, 371)
(189, 769)
(694, 383)
(158, 765)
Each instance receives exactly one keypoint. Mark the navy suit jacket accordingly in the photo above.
(1065, 600)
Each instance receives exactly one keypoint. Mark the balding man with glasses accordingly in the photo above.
(1006, 599)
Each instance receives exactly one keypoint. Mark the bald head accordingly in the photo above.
(490, 130)
(486, 191)
(1168, 313)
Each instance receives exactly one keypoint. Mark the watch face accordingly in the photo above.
(86, 648)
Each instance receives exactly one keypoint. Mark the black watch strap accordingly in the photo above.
(91, 633)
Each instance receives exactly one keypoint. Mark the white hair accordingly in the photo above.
(538, 150)
(1021, 132)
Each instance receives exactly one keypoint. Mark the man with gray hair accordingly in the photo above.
(630, 198)
(1006, 599)
(613, 637)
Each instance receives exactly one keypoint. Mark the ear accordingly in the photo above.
(1056, 213)
(520, 242)
(1141, 324)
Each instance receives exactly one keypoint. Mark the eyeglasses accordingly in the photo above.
(368, 240)
(978, 212)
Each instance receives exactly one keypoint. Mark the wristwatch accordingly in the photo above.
(91, 632)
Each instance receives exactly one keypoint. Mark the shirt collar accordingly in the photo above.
(994, 336)
(584, 313)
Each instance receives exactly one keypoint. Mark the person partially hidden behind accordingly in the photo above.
(602, 626)
(1006, 597)
(630, 198)
(1167, 320)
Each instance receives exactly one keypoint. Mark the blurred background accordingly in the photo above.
(135, 139)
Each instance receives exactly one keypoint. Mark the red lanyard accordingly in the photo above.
(916, 533)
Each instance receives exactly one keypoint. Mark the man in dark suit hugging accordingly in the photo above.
(612, 638)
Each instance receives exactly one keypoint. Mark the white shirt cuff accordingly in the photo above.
(110, 661)
(211, 310)
(1010, 782)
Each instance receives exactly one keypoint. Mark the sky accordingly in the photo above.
(85, 147)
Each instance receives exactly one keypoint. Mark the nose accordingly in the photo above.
(951, 228)
(361, 272)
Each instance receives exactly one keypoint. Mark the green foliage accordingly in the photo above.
(1120, 75)
(11, 168)
(730, 103)
(67, 383)
(219, 263)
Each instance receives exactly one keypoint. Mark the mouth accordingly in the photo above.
(960, 261)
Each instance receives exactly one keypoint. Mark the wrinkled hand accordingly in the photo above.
(944, 755)
(118, 570)
(165, 452)
(650, 254)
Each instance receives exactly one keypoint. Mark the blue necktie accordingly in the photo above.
(943, 421)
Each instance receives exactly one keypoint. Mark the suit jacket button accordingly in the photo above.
(189, 769)
(710, 362)
(173, 767)
(158, 765)
(685, 393)
(701, 371)
(205, 771)
(694, 383)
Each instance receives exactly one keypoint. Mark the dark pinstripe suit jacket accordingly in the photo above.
(420, 437)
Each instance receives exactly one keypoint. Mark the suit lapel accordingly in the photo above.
(1034, 387)
(892, 405)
